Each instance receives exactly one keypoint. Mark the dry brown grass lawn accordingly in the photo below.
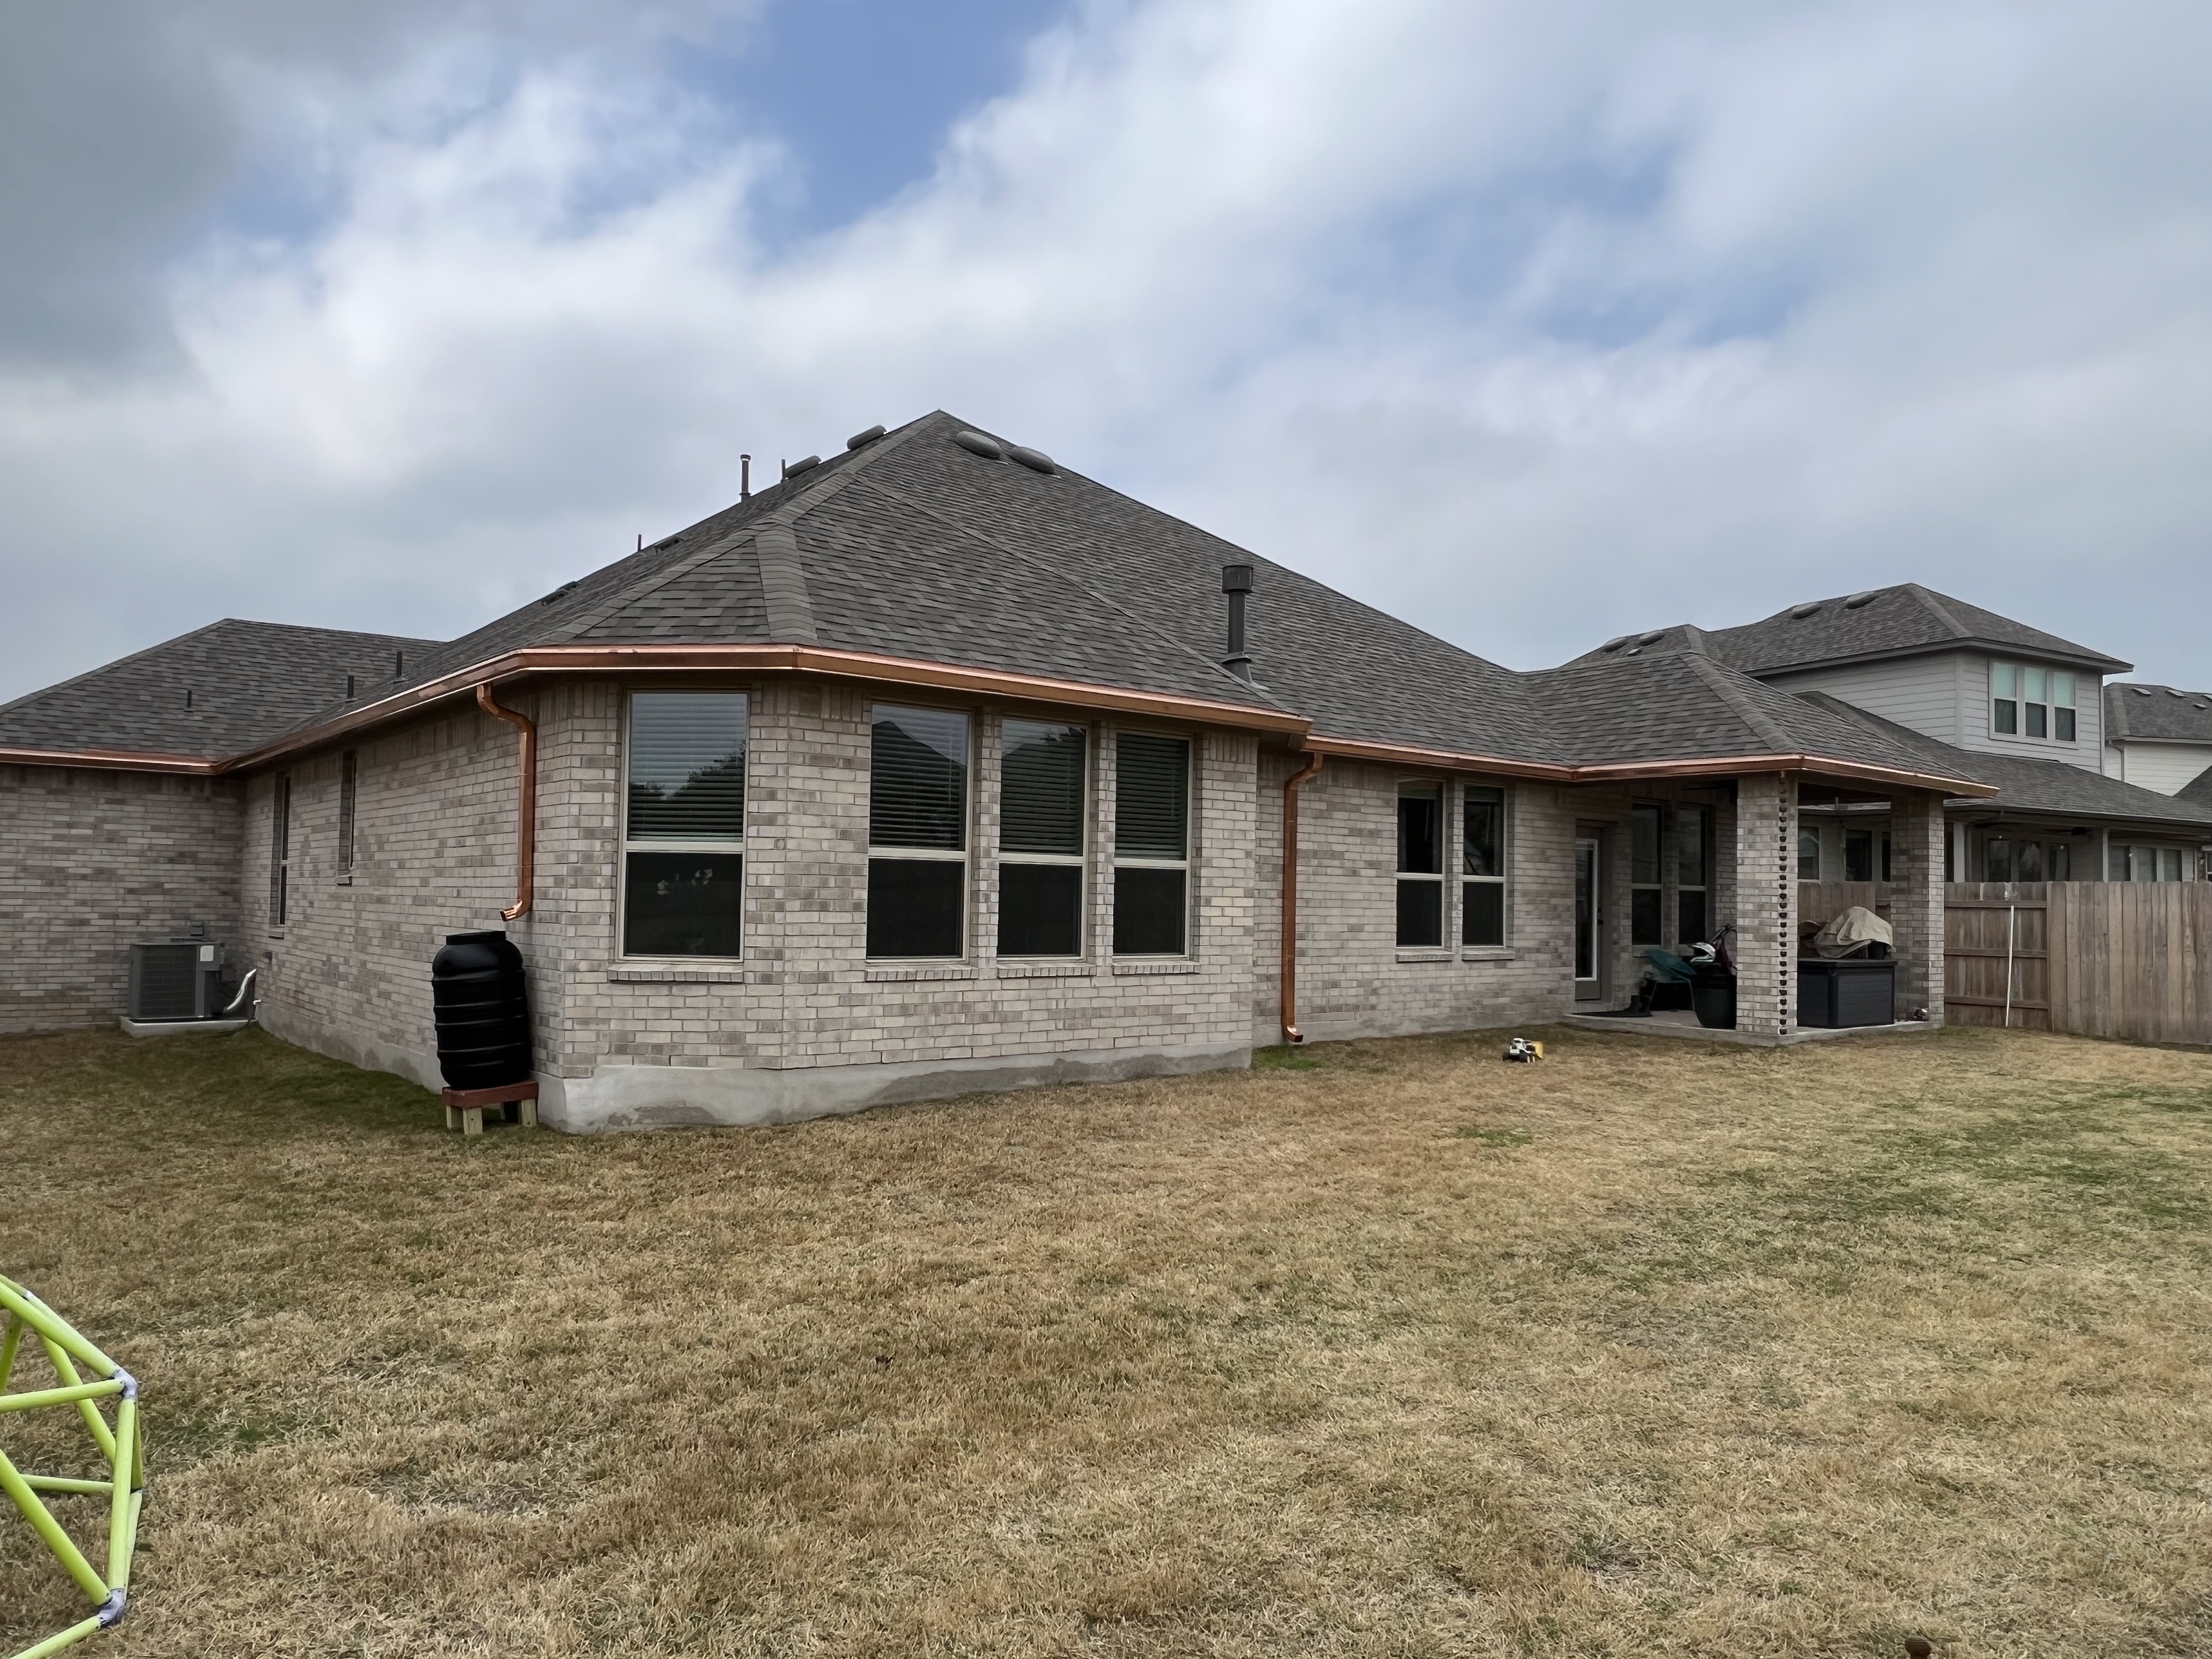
(1397, 1350)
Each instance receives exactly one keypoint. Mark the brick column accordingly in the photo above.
(1916, 853)
(1765, 942)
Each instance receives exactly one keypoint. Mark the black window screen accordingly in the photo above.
(1644, 845)
(349, 790)
(1690, 928)
(915, 907)
(1150, 911)
(1420, 912)
(1040, 910)
(1420, 829)
(1483, 854)
(683, 904)
(1483, 921)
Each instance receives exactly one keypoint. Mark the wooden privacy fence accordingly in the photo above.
(2115, 959)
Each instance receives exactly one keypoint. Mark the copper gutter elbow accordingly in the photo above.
(1289, 976)
(525, 857)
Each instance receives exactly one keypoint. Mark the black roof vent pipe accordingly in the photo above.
(1237, 583)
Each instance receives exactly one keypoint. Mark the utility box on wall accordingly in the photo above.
(175, 979)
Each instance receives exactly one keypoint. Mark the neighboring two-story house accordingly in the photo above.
(1985, 696)
(2159, 737)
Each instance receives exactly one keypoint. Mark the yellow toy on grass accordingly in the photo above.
(121, 1447)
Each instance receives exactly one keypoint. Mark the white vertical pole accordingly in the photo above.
(2012, 928)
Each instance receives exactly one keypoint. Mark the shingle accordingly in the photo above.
(2157, 711)
(248, 680)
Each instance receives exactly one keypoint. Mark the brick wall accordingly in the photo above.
(1353, 980)
(95, 861)
(1766, 946)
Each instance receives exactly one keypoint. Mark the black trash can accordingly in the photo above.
(482, 1006)
(1713, 998)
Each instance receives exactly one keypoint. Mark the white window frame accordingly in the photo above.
(1062, 861)
(626, 845)
(963, 858)
(1458, 800)
(2021, 702)
(1186, 863)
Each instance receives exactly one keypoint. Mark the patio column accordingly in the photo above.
(1765, 943)
(1917, 832)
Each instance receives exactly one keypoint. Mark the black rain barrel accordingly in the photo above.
(482, 1006)
(1712, 996)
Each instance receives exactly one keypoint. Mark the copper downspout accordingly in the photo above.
(1292, 785)
(526, 856)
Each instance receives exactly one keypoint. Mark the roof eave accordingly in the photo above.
(116, 759)
(2089, 660)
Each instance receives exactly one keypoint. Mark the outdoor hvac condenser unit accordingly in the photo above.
(175, 979)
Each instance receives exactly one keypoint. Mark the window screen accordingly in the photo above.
(1042, 834)
(917, 832)
(684, 827)
(1482, 865)
(1152, 845)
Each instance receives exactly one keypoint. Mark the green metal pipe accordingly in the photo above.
(69, 1485)
(49, 1531)
(32, 1400)
(90, 1413)
(120, 1540)
(51, 1326)
(8, 1344)
(68, 1638)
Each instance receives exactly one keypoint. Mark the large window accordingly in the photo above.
(2031, 702)
(1042, 770)
(1645, 898)
(1420, 864)
(1482, 867)
(1152, 845)
(684, 824)
(2147, 863)
(917, 833)
(1692, 879)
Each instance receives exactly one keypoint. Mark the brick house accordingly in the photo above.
(937, 767)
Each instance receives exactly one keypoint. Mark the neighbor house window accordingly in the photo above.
(2061, 862)
(349, 789)
(917, 832)
(280, 848)
(2169, 864)
(1042, 770)
(684, 824)
(1645, 900)
(2031, 860)
(1691, 873)
(1420, 864)
(2031, 702)
(2147, 864)
(1152, 845)
(1858, 856)
(1808, 854)
(1482, 867)
(1997, 862)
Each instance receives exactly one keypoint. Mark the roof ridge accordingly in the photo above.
(1753, 716)
(1934, 603)
(1011, 551)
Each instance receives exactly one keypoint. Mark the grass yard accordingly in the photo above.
(1386, 1348)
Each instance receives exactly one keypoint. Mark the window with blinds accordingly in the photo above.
(1421, 865)
(917, 832)
(349, 794)
(1044, 769)
(1482, 865)
(684, 824)
(280, 849)
(1152, 845)
(1645, 908)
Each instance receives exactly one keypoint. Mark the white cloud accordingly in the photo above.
(1531, 324)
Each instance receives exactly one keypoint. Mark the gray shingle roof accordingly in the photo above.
(2198, 790)
(2159, 712)
(2025, 785)
(248, 682)
(1900, 621)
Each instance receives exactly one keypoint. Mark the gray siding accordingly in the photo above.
(1921, 692)
(1946, 696)
(2168, 767)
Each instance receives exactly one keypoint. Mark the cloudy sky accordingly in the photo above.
(1534, 324)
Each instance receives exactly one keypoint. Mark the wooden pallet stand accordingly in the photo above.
(465, 1108)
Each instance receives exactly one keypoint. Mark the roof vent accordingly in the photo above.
(1800, 612)
(1860, 601)
(867, 437)
(976, 444)
(2171, 692)
(1035, 459)
(1615, 644)
(1237, 583)
(1633, 651)
(562, 592)
(400, 665)
(1652, 638)
(793, 469)
(2140, 690)
(348, 688)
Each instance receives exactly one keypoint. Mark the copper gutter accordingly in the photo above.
(119, 759)
(525, 810)
(771, 659)
(1289, 976)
